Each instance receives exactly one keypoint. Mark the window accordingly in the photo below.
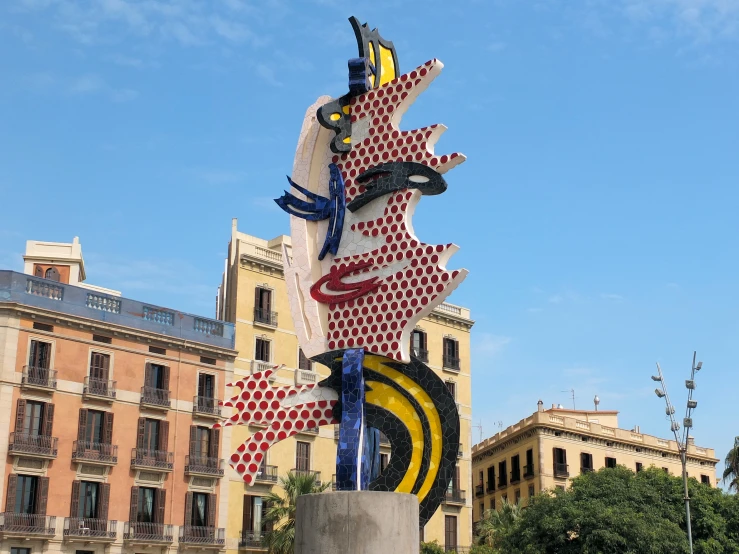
(88, 499)
(451, 353)
(304, 362)
(515, 469)
(145, 509)
(26, 495)
(253, 523)
(586, 462)
(639, 466)
(206, 385)
(492, 503)
(560, 463)
(491, 478)
(384, 461)
(504, 498)
(531, 491)
(155, 376)
(94, 426)
(52, 274)
(705, 479)
(158, 350)
(502, 474)
(147, 506)
(102, 338)
(482, 509)
(610, 462)
(518, 495)
(99, 366)
(15, 550)
(418, 345)
(39, 357)
(200, 446)
(43, 327)
(451, 386)
(481, 478)
(450, 532)
(199, 512)
(528, 471)
(262, 350)
(151, 434)
(34, 418)
(302, 456)
(206, 360)
(263, 306)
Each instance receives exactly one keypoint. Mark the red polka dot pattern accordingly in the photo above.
(259, 403)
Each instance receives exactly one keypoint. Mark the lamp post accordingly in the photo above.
(682, 445)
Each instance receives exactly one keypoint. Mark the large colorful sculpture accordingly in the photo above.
(359, 281)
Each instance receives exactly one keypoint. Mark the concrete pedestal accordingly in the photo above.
(357, 522)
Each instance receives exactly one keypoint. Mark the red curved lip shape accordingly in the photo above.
(333, 282)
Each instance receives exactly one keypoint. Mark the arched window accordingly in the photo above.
(52, 274)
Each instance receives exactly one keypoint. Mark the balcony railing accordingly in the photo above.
(421, 353)
(27, 524)
(455, 497)
(265, 317)
(515, 477)
(102, 388)
(586, 469)
(190, 534)
(203, 465)
(451, 363)
(152, 396)
(95, 452)
(206, 405)
(147, 532)
(316, 474)
(38, 377)
(479, 490)
(457, 549)
(251, 539)
(34, 445)
(267, 474)
(528, 471)
(502, 481)
(258, 366)
(491, 485)
(561, 470)
(88, 528)
(309, 430)
(153, 459)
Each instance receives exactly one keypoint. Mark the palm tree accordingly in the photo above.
(495, 524)
(281, 510)
(731, 471)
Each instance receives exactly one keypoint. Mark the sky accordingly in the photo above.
(595, 212)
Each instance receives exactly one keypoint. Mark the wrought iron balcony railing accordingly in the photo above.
(265, 317)
(190, 534)
(101, 529)
(147, 532)
(586, 469)
(203, 465)
(528, 471)
(33, 445)
(27, 524)
(451, 363)
(152, 396)
(457, 549)
(561, 470)
(455, 497)
(38, 377)
(316, 474)
(502, 480)
(153, 459)
(267, 474)
(250, 539)
(515, 477)
(479, 490)
(95, 452)
(421, 353)
(491, 485)
(102, 388)
(207, 406)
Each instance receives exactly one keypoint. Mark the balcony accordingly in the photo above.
(141, 458)
(455, 497)
(515, 477)
(491, 485)
(585, 469)
(202, 465)
(267, 474)
(308, 430)
(27, 525)
(38, 378)
(257, 366)
(421, 354)
(153, 397)
(202, 536)
(101, 389)
(316, 474)
(451, 363)
(143, 533)
(528, 471)
(90, 530)
(95, 453)
(479, 490)
(36, 446)
(561, 470)
(265, 317)
(251, 541)
(306, 377)
(502, 481)
(206, 406)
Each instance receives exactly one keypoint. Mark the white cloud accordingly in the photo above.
(94, 84)
(267, 74)
(487, 343)
(611, 296)
(555, 299)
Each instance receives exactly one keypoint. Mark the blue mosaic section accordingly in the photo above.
(351, 453)
(370, 468)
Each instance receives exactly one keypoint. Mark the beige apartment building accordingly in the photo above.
(253, 296)
(107, 408)
(551, 446)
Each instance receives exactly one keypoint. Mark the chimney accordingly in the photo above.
(691, 441)
(554, 406)
(540, 406)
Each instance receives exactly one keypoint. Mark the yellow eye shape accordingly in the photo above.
(348, 140)
(335, 116)
(345, 109)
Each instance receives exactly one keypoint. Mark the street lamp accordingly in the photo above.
(682, 445)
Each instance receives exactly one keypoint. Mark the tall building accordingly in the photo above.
(551, 446)
(107, 408)
(253, 296)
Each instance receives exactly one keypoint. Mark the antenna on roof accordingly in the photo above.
(572, 392)
(479, 426)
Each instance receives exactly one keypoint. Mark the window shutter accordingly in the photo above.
(201, 384)
(104, 502)
(456, 479)
(163, 436)
(81, 427)
(248, 523)
(215, 443)
(48, 423)
(140, 434)
(134, 510)
(165, 377)
(42, 495)
(257, 303)
(39, 271)
(194, 450)
(188, 509)
(147, 375)
(74, 510)
(212, 503)
(20, 415)
(10, 493)
(108, 428)
(160, 502)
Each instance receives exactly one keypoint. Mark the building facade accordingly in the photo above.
(253, 296)
(550, 447)
(108, 405)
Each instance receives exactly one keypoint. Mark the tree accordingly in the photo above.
(496, 524)
(432, 547)
(281, 510)
(731, 471)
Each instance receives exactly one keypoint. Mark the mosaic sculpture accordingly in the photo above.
(359, 281)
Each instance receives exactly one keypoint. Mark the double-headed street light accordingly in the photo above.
(682, 445)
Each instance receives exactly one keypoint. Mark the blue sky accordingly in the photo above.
(596, 211)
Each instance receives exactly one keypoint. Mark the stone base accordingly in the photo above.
(357, 522)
